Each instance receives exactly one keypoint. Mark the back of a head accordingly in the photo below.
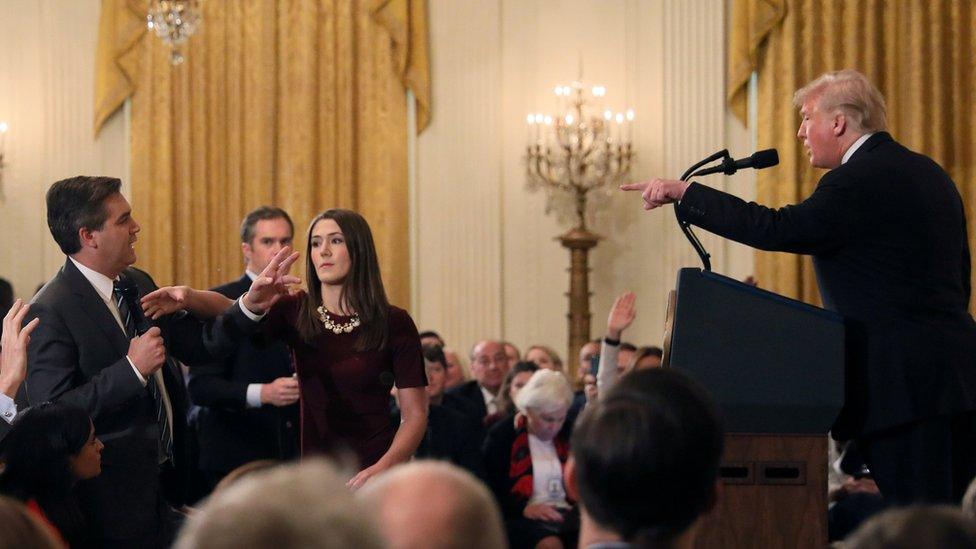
(434, 505)
(934, 527)
(647, 456)
(293, 506)
(20, 530)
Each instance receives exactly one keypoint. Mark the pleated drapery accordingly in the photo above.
(919, 53)
(296, 103)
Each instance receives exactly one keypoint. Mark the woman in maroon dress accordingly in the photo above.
(350, 345)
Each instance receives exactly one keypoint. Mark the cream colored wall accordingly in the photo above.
(47, 53)
(487, 264)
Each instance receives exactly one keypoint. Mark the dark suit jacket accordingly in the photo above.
(77, 355)
(230, 434)
(454, 436)
(887, 232)
(467, 398)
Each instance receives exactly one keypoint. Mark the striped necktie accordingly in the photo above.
(126, 295)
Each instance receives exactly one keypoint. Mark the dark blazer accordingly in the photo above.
(887, 232)
(231, 434)
(453, 436)
(77, 355)
(467, 398)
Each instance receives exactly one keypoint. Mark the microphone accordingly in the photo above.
(130, 292)
(758, 161)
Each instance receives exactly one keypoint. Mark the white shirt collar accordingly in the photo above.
(250, 274)
(102, 284)
(854, 147)
(489, 398)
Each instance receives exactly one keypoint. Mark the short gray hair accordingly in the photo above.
(546, 390)
(435, 503)
(303, 505)
(851, 93)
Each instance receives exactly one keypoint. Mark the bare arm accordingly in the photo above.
(413, 424)
(169, 299)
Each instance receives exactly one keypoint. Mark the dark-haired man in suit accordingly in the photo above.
(248, 401)
(477, 397)
(887, 231)
(88, 351)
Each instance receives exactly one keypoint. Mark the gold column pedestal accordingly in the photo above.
(578, 241)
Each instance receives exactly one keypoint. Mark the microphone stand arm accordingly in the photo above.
(684, 225)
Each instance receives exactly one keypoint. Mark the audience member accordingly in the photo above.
(645, 358)
(457, 371)
(248, 401)
(479, 397)
(524, 464)
(852, 494)
(645, 462)
(50, 449)
(13, 361)
(622, 314)
(20, 529)
(515, 379)
(544, 357)
(243, 471)
(433, 505)
(512, 353)
(587, 355)
(294, 506)
(932, 527)
(430, 337)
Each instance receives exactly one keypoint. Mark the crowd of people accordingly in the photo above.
(288, 412)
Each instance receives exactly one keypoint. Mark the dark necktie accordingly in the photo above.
(127, 299)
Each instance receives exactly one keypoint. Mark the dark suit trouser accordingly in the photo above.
(931, 460)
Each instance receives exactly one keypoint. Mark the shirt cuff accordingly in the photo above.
(139, 375)
(8, 408)
(253, 316)
(254, 394)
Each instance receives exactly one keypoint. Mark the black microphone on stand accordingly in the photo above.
(758, 161)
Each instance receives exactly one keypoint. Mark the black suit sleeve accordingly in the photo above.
(209, 387)
(53, 374)
(817, 225)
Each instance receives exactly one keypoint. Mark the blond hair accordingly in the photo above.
(851, 93)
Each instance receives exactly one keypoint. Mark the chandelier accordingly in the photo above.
(174, 21)
(578, 149)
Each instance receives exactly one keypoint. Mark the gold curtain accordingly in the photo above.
(296, 103)
(919, 53)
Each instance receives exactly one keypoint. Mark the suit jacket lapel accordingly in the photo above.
(93, 306)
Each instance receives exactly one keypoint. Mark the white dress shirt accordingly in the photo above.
(253, 398)
(854, 147)
(8, 408)
(490, 401)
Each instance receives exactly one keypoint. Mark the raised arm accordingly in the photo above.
(170, 299)
(620, 318)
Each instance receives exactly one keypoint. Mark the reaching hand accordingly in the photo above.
(621, 315)
(658, 192)
(280, 392)
(165, 301)
(541, 511)
(272, 283)
(13, 358)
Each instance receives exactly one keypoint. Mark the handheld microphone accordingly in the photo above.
(130, 292)
(758, 161)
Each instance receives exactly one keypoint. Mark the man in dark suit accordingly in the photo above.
(86, 351)
(887, 232)
(248, 401)
(477, 397)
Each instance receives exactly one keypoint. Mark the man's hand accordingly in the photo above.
(147, 352)
(272, 283)
(13, 358)
(658, 192)
(621, 315)
(166, 300)
(541, 511)
(280, 392)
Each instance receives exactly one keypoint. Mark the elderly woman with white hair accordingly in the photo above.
(524, 458)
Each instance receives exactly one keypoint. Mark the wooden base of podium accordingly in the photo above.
(773, 493)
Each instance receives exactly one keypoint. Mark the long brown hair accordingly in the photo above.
(362, 290)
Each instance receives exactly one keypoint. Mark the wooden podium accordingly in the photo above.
(775, 367)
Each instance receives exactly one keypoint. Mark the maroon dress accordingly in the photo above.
(345, 394)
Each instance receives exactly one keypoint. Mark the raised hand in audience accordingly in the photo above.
(272, 284)
(13, 357)
(621, 315)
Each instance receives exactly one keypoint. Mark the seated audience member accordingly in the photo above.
(932, 527)
(457, 371)
(512, 353)
(430, 337)
(451, 435)
(515, 380)
(588, 352)
(433, 505)
(645, 358)
(645, 462)
(20, 529)
(295, 506)
(853, 495)
(524, 465)
(13, 361)
(51, 448)
(479, 397)
(245, 470)
(544, 357)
